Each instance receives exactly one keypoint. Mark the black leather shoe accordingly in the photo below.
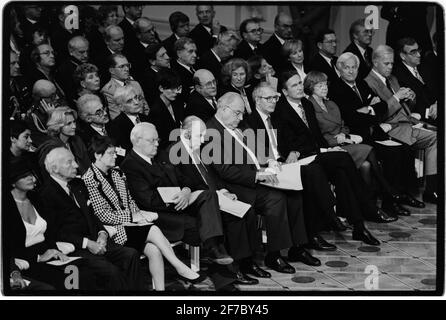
(394, 209)
(199, 279)
(364, 235)
(302, 255)
(337, 225)
(255, 270)
(241, 278)
(279, 265)
(319, 243)
(430, 197)
(408, 200)
(381, 217)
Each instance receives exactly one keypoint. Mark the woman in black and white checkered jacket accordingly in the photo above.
(114, 206)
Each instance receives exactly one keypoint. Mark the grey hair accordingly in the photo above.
(72, 43)
(109, 30)
(58, 118)
(258, 89)
(381, 50)
(52, 159)
(122, 93)
(83, 101)
(139, 130)
(340, 63)
(227, 99)
(189, 121)
(227, 36)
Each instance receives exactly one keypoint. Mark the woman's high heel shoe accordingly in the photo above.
(199, 279)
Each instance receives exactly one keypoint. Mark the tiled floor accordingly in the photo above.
(405, 261)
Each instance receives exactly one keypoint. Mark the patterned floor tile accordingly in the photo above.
(264, 285)
(427, 250)
(363, 282)
(314, 281)
(341, 264)
(398, 265)
(418, 281)
(358, 250)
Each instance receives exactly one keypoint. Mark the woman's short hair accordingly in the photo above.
(255, 63)
(99, 144)
(312, 79)
(58, 119)
(289, 46)
(167, 79)
(82, 71)
(104, 12)
(231, 66)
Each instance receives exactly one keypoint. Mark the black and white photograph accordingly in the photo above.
(222, 149)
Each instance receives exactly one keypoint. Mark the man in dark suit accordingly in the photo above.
(240, 171)
(251, 33)
(223, 50)
(131, 15)
(179, 24)
(299, 134)
(93, 118)
(77, 54)
(205, 33)
(66, 201)
(325, 59)
(361, 38)
(202, 102)
(411, 75)
(186, 51)
(32, 16)
(363, 112)
(318, 199)
(273, 46)
(241, 234)
(131, 114)
(19, 93)
(400, 121)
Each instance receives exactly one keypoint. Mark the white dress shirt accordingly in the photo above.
(274, 135)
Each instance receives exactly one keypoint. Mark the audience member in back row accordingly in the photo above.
(186, 53)
(293, 53)
(179, 24)
(87, 81)
(19, 94)
(202, 102)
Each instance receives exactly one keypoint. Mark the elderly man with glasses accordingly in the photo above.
(202, 102)
(251, 33)
(119, 69)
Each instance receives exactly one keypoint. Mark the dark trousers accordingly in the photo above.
(318, 199)
(353, 200)
(119, 268)
(272, 205)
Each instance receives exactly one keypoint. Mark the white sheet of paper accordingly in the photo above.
(389, 143)
(289, 177)
(61, 263)
(167, 193)
(307, 160)
(234, 207)
(194, 195)
(131, 224)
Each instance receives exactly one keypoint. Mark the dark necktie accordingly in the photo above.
(272, 136)
(304, 117)
(333, 64)
(355, 89)
(192, 70)
(367, 59)
(201, 167)
(417, 75)
(71, 194)
(214, 103)
(402, 103)
(137, 120)
(389, 86)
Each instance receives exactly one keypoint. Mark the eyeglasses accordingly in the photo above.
(331, 41)
(321, 84)
(286, 26)
(176, 90)
(271, 98)
(111, 152)
(153, 140)
(414, 52)
(126, 65)
(258, 30)
(238, 114)
(210, 84)
(99, 112)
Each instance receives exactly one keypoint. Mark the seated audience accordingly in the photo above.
(87, 81)
(119, 69)
(202, 102)
(65, 200)
(336, 133)
(399, 119)
(114, 206)
(167, 111)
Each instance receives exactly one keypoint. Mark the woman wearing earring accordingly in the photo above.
(114, 206)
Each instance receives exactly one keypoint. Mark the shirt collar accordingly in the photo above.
(411, 69)
(263, 115)
(325, 58)
(131, 21)
(207, 28)
(361, 49)
(282, 41)
(145, 158)
(131, 117)
(121, 83)
(32, 21)
(380, 76)
(145, 45)
(294, 104)
(216, 55)
(182, 64)
(251, 46)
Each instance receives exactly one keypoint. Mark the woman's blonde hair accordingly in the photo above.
(58, 119)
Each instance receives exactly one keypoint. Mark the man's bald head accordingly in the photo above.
(43, 88)
(205, 83)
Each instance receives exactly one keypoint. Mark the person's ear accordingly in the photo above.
(83, 84)
(187, 134)
(257, 76)
(13, 140)
(97, 156)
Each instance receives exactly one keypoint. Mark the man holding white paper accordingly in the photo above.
(147, 172)
(240, 223)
